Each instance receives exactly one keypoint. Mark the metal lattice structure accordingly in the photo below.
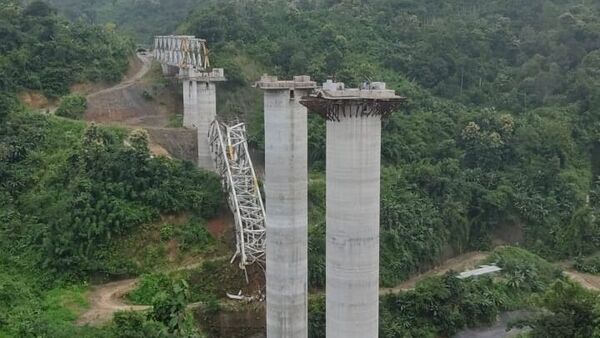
(181, 51)
(232, 160)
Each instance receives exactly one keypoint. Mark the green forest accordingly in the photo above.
(499, 144)
(500, 131)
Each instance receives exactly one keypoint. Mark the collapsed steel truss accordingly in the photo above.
(232, 159)
(181, 51)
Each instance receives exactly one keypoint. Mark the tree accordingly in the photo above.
(572, 313)
(72, 106)
(169, 308)
(38, 8)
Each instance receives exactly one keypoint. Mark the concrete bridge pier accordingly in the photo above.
(207, 108)
(286, 188)
(200, 107)
(191, 113)
(168, 70)
(353, 195)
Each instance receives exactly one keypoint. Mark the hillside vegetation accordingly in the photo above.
(77, 200)
(499, 142)
(40, 50)
(500, 132)
(142, 19)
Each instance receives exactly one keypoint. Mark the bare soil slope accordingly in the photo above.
(107, 299)
(180, 143)
(131, 102)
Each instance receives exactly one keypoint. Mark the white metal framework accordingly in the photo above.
(232, 160)
(181, 51)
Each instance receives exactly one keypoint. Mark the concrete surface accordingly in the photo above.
(286, 188)
(352, 235)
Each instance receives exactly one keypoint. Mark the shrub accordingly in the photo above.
(167, 232)
(169, 308)
(588, 265)
(571, 311)
(523, 269)
(316, 316)
(214, 279)
(442, 305)
(7, 104)
(193, 234)
(149, 287)
(136, 325)
(72, 106)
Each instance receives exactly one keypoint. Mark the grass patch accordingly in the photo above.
(149, 287)
(66, 304)
(159, 245)
(175, 121)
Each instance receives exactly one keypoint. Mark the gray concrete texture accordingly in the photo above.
(352, 235)
(352, 214)
(191, 116)
(200, 107)
(207, 112)
(286, 188)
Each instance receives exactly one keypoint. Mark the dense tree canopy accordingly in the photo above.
(500, 138)
(500, 133)
(42, 51)
(140, 18)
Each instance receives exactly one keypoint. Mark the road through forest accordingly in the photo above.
(129, 81)
(104, 300)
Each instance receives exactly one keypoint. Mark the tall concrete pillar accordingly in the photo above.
(191, 113)
(286, 188)
(169, 70)
(207, 111)
(352, 216)
(200, 107)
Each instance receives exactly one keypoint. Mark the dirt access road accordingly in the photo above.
(588, 281)
(123, 104)
(107, 299)
(144, 69)
(135, 101)
(127, 103)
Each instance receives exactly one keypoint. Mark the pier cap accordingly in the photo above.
(214, 75)
(268, 82)
(334, 100)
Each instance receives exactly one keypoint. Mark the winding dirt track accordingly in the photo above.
(459, 263)
(107, 299)
(146, 66)
(590, 282)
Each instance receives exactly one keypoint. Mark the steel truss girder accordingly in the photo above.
(181, 51)
(229, 149)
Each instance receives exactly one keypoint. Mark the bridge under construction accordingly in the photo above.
(276, 234)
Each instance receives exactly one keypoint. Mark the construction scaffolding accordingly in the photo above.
(233, 163)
